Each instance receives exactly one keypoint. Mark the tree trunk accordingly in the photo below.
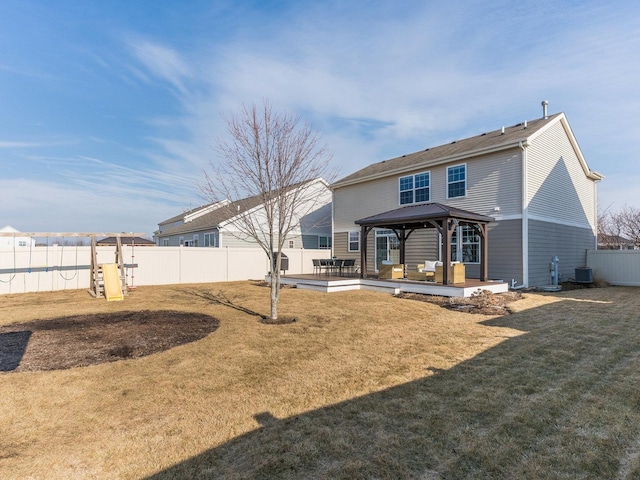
(275, 289)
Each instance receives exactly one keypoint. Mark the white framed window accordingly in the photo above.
(211, 240)
(465, 245)
(196, 240)
(165, 242)
(291, 244)
(457, 181)
(22, 243)
(324, 243)
(414, 188)
(354, 241)
(182, 241)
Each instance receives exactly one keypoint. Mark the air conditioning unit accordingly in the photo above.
(584, 275)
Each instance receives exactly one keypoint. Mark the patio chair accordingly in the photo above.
(326, 264)
(349, 264)
(458, 273)
(391, 271)
(316, 265)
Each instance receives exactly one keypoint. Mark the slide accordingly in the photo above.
(111, 278)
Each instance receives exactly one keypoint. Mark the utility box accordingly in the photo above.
(584, 275)
(284, 262)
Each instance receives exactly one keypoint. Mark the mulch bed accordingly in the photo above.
(83, 340)
(483, 303)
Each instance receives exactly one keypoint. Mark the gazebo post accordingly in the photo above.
(484, 253)
(446, 250)
(364, 231)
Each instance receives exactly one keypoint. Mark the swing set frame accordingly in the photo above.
(96, 287)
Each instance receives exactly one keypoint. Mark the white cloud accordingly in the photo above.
(161, 61)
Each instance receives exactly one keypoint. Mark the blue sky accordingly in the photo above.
(109, 110)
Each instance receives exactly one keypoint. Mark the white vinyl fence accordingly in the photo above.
(42, 269)
(617, 267)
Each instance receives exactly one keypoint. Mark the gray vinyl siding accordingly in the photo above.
(558, 188)
(505, 252)
(341, 247)
(174, 240)
(547, 240)
(492, 181)
(363, 200)
(242, 241)
(422, 245)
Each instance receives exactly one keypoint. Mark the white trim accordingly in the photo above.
(413, 188)
(466, 175)
(561, 222)
(349, 241)
(591, 174)
(504, 218)
(525, 216)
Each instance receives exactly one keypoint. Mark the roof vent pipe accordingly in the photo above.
(525, 124)
(502, 133)
(545, 104)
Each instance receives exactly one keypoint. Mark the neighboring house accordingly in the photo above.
(531, 179)
(213, 225)
(615, 242)
(15, 240)
(125, 240)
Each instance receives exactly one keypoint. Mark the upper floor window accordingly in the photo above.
(457, 181)
(354, 241)
(414, 188)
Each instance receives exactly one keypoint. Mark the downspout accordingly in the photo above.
(525, 215)
(595, 213)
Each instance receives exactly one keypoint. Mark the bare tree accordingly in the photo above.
(608, 231)
(628, 222)
(617, 229)
(267, 171)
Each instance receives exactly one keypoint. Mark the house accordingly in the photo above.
(125, 240)
(216, 225)
(528, 184)
(14, 240)
(615, 242)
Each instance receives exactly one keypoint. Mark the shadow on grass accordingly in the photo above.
(12, 348)
(559, 401)
(221, 299)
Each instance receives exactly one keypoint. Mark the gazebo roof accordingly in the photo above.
(417, 216)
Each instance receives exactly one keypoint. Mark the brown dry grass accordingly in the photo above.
(363, 385)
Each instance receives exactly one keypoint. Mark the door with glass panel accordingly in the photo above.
(387, 247)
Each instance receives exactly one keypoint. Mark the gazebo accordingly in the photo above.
(444, 218)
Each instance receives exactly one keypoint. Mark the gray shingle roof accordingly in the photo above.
(213, 218)
(417, 214)
(220, 215)
(457, 149)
